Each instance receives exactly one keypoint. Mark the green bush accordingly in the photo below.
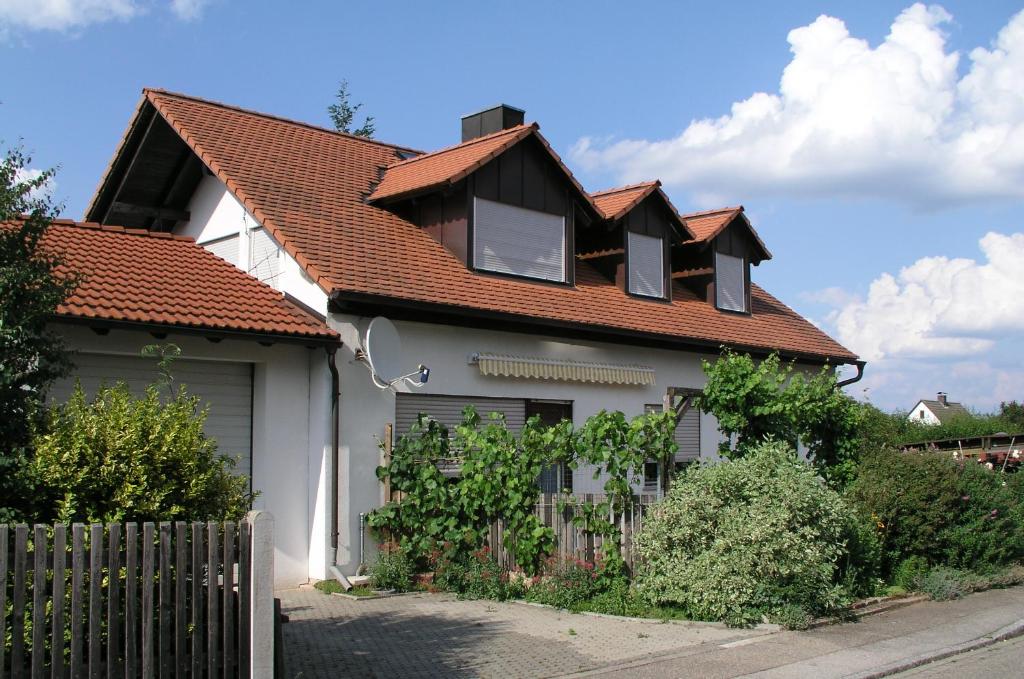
(122, 458)
(931, 509)
(393, 569)
(475, 576)
(567, 583)
(909, 572)
(746, 539)
(988, 529)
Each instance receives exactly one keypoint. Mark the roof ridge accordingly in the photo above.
(213, 102)
(470, 142)
(628, 187)
(708, 213)
(112, 228)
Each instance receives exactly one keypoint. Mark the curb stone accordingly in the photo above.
(1010, 631)
(764, 627)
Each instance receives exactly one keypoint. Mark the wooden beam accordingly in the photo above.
(148, 211)
(131, 165)
(690, 273)
(602, 253)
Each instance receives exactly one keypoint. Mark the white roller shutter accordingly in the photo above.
(448, 410)
(646, 265)
(730, 282)
(225, 248)
(224, 387)
(514, 240)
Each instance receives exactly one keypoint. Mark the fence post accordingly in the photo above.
(261, 630)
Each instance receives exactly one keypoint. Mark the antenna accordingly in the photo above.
(382, 355)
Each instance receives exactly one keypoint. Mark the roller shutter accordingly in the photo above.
(224, 387)
(448, 410)
(687, 435)
(514, 240)
(646, 265)
(730, 282)
(226, 248)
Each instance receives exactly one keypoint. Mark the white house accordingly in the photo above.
(519, 290)
(927, 411)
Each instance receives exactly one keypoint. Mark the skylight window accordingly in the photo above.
(730, 282)
(513, 240)
(646, 265)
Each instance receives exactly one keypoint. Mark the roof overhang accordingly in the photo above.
(212, 334)
(364, 304)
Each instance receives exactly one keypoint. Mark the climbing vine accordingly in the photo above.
(617, 448)
(497, 479)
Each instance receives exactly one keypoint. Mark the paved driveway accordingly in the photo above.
(436, 635)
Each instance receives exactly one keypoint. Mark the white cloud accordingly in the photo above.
(70, 15)
(188, 10)
(890, 121)
(63, 15)
(47, 189)
(939, 307)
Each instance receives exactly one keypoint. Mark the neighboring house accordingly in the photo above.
(522, 292)
(939, 411)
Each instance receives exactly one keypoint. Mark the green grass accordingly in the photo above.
(334, 587)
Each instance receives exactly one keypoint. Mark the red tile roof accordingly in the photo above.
(709, 223)
(307, 186)
(614, 203)
(445, 167)
(138, 276)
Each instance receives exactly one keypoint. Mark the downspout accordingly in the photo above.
(332, 365)
(855, 378)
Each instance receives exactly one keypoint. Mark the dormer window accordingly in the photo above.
(646, 257)
(730, 282)
(513, 240)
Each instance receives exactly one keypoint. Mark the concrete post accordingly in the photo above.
(261, 640)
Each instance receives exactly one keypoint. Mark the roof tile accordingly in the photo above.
(148, 277)
(312, 199)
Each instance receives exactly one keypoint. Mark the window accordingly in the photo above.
(514, 240)
(730, 282)
(687, 436)
(646, 265)
(651, 477)
(226, 248)
(264, 257)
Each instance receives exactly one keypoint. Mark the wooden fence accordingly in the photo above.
(122, 600)
(572, 540)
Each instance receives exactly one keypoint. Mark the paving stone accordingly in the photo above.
(436, 635)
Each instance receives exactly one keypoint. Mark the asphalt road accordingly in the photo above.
(1004, 660)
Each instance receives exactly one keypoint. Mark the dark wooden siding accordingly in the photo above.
(444, 218)
(524, 176)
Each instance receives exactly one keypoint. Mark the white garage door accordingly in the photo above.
(224, 387)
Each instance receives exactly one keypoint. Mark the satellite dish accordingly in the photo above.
(383, 349)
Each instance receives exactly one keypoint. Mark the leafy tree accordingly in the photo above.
(343, 113)
(31, 288)
(757, 400)
(1012, 413)
(125, 458)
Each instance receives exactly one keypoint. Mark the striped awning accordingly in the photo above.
(503, 365)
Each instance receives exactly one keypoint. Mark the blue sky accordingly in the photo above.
(880, 140)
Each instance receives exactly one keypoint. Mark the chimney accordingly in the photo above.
(490, 120)
(942, 398)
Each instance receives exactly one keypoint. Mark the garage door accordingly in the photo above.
(224, 387)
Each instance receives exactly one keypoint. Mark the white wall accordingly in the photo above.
(215, 213)
(929, 416)
(446, 351)
(291, 390)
